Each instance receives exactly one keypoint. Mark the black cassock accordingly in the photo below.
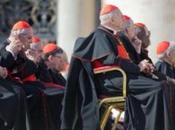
(43, 108)
(80, 103)
(162, 71)
(13, 107)
(57, 77)
(137, 58)
(169, 70)
(49, 75)
(146, 103)
(54, 92)
(165, 68)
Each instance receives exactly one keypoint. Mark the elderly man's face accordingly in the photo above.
(146, 39)
(131, 31)
(144, 36)
(34, 55)
(26, 39)
(172, 56)
(118, 19)
(59, 62)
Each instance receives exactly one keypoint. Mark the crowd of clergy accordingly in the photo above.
(41, 90)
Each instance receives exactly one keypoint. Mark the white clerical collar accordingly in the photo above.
(113, 30)
(8, 49)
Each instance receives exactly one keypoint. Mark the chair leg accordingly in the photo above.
(105, 118)
(116, 121)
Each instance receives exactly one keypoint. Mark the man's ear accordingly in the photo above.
(112, 19)
(50, 58)
(168, 55)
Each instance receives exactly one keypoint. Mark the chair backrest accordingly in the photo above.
(105, 69)
(112, 100)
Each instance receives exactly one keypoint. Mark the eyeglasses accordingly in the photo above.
(57, 55)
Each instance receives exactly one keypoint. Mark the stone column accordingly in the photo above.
(75, 18)
(158, 15)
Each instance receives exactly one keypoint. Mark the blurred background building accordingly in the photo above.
(41, 14)
(62, 21)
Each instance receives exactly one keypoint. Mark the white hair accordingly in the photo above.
(65, 58)
(168, 50)
(128, 23)
(35, 46)
(106, 18)
(21, 32)
(137, 29)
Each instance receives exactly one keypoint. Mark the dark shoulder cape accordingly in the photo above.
(98, 43)
(165, 68)
(43, 72)
(161, 66)
(135, 57)
(169, 71)
(101, 45)
(130, 49)
(13, 108)
(80, 105)
(57, 77)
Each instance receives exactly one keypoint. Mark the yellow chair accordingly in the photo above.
(111, 103)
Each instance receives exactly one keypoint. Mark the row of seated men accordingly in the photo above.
(32, 87)
(31, 83)
(120, 42)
